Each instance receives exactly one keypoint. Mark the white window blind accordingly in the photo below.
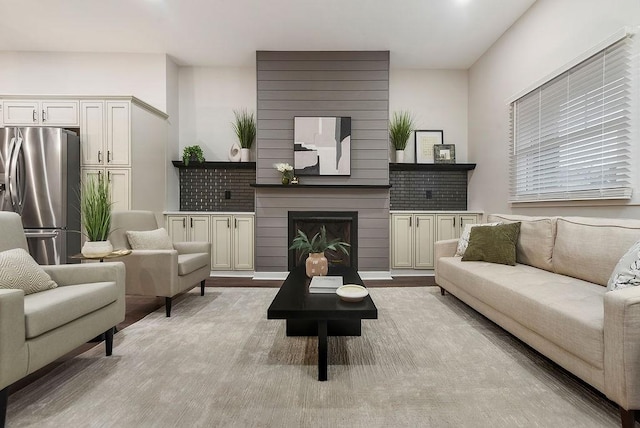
(570, 138)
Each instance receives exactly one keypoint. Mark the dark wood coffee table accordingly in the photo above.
(320, 315)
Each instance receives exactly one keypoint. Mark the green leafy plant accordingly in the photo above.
(400, 128)
(245, 128)
(190, 151)
(95, 205)
(317, 244)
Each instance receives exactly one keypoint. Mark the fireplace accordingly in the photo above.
(339, 224)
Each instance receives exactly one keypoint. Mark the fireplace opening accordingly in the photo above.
(339, 224)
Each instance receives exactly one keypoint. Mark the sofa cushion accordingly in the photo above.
(566, 311)
(495, 244)
(157, 239)
(463, 242)
(590, 248)
(627, 272)
(191, 262)
(536, 240)
(51, 309)
(18, 270)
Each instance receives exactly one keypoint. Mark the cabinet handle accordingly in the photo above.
(99, 175)
(34, 115)
(228, 225)
(44, 115)
(235, 223)
(454, 222)
(417, 221)
(109, 176)
(191, 222)
(108, 156)
(409, 221)
(99, 156)
(184, 223)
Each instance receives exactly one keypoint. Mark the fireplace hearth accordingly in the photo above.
(339, 224)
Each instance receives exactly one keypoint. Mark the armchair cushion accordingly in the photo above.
(188, 263)
(49, 310)
(157, 239)
(18, 270)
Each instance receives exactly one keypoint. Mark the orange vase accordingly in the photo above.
(316, 265)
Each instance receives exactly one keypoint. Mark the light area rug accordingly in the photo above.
(428, 361)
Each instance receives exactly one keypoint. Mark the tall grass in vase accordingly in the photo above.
(95, 207)
(400, 127)
(245, 129)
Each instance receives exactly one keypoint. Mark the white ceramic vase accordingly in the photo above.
(399, 156)
(234, 153)
(244, 155)
(96, 249)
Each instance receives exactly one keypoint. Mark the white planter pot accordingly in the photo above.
(399, 156)
(96, 249)
(244, 155)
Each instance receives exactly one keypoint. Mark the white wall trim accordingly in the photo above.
(365, 275)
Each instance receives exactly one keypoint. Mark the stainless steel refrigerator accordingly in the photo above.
(40, 180)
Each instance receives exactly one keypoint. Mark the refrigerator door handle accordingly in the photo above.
(14, 191)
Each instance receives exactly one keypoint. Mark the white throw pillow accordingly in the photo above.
(149, 239)
(463, 242)
(627, 272)
(18, 270)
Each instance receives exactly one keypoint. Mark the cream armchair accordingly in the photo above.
(163, 273)
(38, 328)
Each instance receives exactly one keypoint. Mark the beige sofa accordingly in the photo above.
(36, 329)
(555, 299)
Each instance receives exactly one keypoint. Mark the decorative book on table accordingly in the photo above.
(325, 284)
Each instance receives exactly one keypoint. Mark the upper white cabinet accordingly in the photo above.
(40, 113)
(105, 133)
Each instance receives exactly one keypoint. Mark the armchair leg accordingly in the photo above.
(4, 399)
(108, 341)
(442, 291)
(202, 287)
(167, 305)
(627, 418)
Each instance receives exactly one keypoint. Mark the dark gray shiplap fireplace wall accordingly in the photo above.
(354, 84)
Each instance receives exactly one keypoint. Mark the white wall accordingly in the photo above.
(550, 34)
(208, 97)
(172, 150)
(438, 100)
(62, 73)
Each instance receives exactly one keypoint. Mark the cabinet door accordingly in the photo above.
(221, 256)
(21, 113)
(424, 239)
(59, 113)
(402, 241)
(466, 219)
(199, 228)
(120, 188)
(118, 133)
(446, 227)
(177, 228)
(243, 242)
(92, 138)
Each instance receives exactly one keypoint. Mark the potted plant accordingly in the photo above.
(400, 128)
(316, 263)
(192, 153)
(245, 128)
(95, 207)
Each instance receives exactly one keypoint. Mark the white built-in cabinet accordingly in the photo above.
(105, 133)
(413, 235)
(231, 236)
(40, 113)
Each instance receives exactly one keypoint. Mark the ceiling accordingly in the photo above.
(418, 33)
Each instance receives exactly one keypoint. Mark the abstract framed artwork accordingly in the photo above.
(444, 153)
(425, 140)
(322, 146)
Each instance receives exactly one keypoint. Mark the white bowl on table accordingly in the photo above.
(352, 292)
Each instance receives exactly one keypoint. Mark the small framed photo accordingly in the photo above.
(444, 153)
(425, 141)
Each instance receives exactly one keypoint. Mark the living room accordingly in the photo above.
(460, 87)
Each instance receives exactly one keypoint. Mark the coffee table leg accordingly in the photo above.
(322, 350)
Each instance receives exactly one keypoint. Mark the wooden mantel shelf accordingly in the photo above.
(322, 186)
(215, 164)
(432, 166)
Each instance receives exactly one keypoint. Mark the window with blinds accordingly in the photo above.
(570, 138)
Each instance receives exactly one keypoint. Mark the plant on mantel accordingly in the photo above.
(400, 127)
(192, 153)
(245, 129)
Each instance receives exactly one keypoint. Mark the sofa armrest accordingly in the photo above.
(622, 347)
(152, 272)
(13, 349)
(192, 247)
(86, 272)
(446, 248)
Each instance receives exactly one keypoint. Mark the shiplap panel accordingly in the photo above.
(323, 75)
(353, 84)
(341, 95)
(322, 65)
(323, 85)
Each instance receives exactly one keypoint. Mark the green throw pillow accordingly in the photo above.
(495, 244)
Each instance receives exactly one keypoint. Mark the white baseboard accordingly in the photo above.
(365, 275)
(232, 273)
